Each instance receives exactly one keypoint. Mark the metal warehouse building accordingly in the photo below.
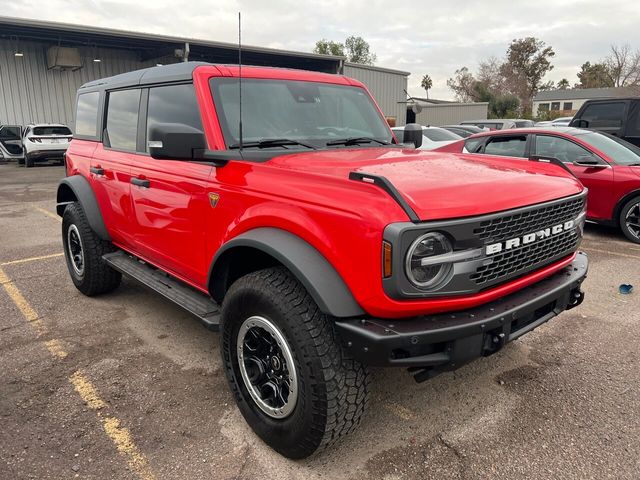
(42, 64)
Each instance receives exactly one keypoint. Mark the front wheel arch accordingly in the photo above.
(269, 247)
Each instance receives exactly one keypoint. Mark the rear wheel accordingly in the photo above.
(293, 383)
(630, 219)
(83, 251)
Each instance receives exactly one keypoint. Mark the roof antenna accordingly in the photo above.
(240, 79)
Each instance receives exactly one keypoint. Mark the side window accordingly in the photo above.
(633, 127)
(603, 115)
(473, 145)
(173, 104)
(567, 106)
(543, 107)
(87, 114)
(122, 119)
(555, 105)
(560, 148)
(507, 146)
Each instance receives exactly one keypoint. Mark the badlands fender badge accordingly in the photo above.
(213, 199)
(529, 238)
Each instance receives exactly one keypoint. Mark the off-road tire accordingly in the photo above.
(98, 277)
(28, 161)
(623, 219)
(332, 387)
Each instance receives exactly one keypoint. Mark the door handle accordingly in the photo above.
(140, 182)
(97, 170)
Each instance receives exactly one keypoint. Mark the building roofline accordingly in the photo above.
(373, 67)
(76, 28)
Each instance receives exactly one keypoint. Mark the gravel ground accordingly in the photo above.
(561, 402)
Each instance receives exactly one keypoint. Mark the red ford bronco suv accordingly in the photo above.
(278, 207)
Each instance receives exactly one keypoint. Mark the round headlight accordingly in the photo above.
(428, 275)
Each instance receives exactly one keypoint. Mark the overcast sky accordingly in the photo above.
(430, 37)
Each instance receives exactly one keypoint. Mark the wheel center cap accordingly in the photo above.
(275, 363)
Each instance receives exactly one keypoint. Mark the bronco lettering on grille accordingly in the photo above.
(516, 242)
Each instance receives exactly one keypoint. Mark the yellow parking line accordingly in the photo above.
(119, 435)
(400, 411)
(32, 259)
(589, 249)
(55, 347)
(48, 213)
(18, 299)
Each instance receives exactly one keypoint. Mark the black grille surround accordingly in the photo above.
(485, 271)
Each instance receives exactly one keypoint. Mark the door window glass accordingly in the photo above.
(560, 148)
(507, 146)
(604, 115)
(87, 114)
(122, 119)
(173, 104)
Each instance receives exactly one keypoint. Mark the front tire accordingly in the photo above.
(28, 161)
(296, 387)
(83, 251)
(630, 219)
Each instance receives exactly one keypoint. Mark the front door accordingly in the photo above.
(11, 141)
(169, 197)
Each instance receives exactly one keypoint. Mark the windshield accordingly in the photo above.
(439, 134)
(618, 150)
(308, 112)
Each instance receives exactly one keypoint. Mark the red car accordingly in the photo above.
(608, 166)
(295, 224)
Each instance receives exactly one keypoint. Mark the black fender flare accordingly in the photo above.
(305, 262)
(83, 193)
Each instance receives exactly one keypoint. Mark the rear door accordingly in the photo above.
(111, 163)
(11, 141)
(598, 179)
(169, 197)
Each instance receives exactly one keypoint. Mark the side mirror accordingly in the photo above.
(174, 141)
(413, 134)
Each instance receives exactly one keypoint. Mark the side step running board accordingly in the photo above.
(196, 303)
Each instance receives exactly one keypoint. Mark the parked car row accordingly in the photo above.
(607, 165)
(34, 143)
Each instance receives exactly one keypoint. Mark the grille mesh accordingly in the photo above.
(510, 263)
(510, 226)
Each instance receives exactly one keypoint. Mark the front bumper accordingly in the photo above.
(446, 341)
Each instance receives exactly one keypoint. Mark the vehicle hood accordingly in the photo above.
(439, 185)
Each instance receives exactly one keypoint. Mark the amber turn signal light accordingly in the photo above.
(386, 259)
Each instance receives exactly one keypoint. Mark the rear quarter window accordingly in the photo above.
(87, 114)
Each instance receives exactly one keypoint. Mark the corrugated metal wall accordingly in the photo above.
(29, 92)
(386, 87)
(451, 114)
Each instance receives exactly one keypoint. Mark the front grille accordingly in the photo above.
(518, 224)
(522, 259)
(511, 263)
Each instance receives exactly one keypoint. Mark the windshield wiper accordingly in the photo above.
(271, 142)
(356, 141)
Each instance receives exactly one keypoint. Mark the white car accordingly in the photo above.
(432, 137)
(558, 122)
(44, 141)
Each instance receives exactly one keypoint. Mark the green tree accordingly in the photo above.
(462, 84)
(528, 60)
(426, 83)
(594, 76)
(359, 51)
(329, 47)
(563, 84)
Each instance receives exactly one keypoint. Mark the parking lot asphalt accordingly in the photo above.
(129, 386)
